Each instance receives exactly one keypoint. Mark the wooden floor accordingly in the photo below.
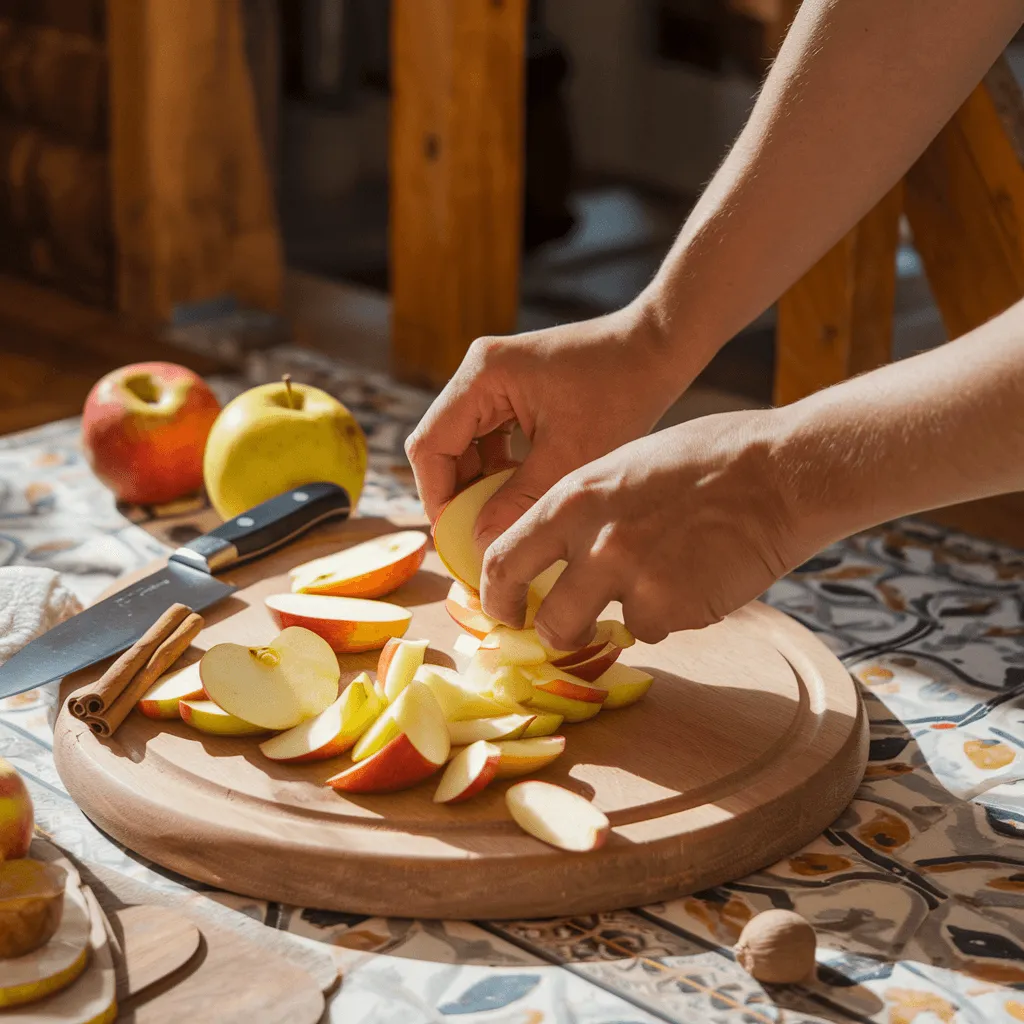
(53, 350)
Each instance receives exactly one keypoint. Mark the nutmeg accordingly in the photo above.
(777, 946)
(31, 905)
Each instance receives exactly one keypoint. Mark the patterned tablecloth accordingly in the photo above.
(917, 891)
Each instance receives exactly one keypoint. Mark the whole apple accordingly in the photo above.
(144, 429)
(278, 436)
(16, 817)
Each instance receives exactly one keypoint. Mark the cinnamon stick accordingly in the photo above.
(167, 653)
(95, 698)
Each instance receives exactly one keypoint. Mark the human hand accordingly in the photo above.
(683, 527)
(577, 391)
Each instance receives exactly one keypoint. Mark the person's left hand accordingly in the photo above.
(683, 527)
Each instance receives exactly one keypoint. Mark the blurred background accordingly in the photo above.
(209, 178)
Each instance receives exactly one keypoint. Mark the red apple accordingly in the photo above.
(351, 625)
(144, 430)
(16, 817)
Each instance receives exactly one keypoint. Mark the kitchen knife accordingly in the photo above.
(117, 622)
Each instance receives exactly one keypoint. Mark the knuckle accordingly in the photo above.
(414, 444)
(612, 545)
(484, 351)
(495, 564)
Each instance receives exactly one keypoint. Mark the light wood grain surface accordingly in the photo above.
(751, 741)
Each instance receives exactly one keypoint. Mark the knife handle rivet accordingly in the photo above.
(245, 521)
(300, 496)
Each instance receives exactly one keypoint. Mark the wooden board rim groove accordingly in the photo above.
(650, 855)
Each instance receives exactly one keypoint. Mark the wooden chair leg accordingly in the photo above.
(836, 321)
(456, 178)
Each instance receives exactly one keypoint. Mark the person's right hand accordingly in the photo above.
(578, 391)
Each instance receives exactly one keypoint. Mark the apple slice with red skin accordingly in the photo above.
(558, 691)
(625, 685)
(458, 699)
(399, 659)
(291, 679)
(463, 605)
(468, 773)
(210, 718)
(161, 700)
(417, 748)
(350, 625)
(335, 730)
(526, 756)
(371, 569)
(508, 727)
(557, 816)
(513, 647)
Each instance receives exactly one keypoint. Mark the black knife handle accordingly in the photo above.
(265, 527)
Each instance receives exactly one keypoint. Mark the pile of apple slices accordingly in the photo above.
(336, 596)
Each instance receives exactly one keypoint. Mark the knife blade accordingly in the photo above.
(114, 624)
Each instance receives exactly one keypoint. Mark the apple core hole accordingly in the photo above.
(142, 387)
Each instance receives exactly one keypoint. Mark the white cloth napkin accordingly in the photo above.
(32, 600)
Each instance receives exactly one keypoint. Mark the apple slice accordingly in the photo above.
(514, 647)
(523, 757)
(544, 724)
(468, 773)
(453, 529)
(398, 663)
(458, 549)
(333, 731)
(291, 679)
(463, 605)
(557, 816)
(211, 718)
(463, 650)
(625, 685)
(349, 624)
(161, 699)
(458, 699)
(371, 569)
(508, 727)
(418, 747)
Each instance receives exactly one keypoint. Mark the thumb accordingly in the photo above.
(519, 493)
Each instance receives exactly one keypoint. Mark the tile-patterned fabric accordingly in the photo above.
(916, 892)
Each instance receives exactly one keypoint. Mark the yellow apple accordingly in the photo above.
(278, 436)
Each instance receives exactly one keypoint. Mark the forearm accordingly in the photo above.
(940, 428)
(859, 89)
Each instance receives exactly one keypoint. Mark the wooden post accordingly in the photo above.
(193, 209)
(836, 321)
(456, 178)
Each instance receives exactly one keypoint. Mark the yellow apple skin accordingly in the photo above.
(264, 443)
(16, 814)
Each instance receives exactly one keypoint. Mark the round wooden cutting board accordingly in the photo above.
(751, 741)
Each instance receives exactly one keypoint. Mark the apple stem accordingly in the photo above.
(287, 378)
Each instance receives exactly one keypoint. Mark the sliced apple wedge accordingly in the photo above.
(335, 730)
(544, 723)
(415, 750)
(291, 679)
(513, 647)
(371, 569)
(397, 664)
(572, 711)
(558, 691)
(468, 773)
(557, 816)
(463, 605)
(210, 718)
(459, 701)
(590, 669)
(508, 727)
(453, 529)
(526, 756)
(463, 650)
(162, 698)
(625, 685)
(349, 624)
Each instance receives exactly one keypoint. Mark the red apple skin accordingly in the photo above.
(146, 452)
(332, 748)
(387, 655)
(344, 637)
(380, 582)
(567, 688)
(16, 814)
(397, 765)
(484, 779)
(589, 670)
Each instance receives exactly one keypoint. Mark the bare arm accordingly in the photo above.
(857, 92)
